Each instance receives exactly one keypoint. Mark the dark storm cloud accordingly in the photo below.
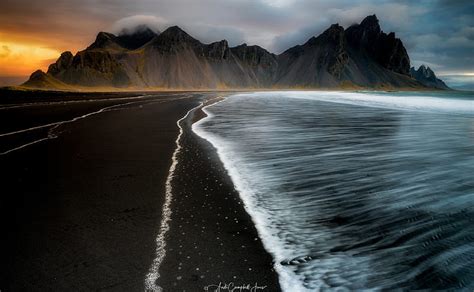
(437, 32)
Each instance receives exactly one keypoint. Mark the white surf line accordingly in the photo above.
(62, 122)
(6, 107)
(86, 115)
(57, 124)
(63, 102)
(153, 275)
(80, 117)
(24, 146)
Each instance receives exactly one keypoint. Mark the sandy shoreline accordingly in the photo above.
(212, 240)
(82, 211)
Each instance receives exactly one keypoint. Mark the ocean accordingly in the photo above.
(354, 190)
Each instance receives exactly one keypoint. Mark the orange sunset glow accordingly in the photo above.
(20, 59)
(22, 53)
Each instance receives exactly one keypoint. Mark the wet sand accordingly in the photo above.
(212, 239)
(82, 211)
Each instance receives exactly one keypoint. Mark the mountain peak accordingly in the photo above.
(334, 34)
(63, 62)
(427, 77)
(103, 40)
(334, 30)
(176, 34)
(370, 19)
(368, 38)
(105, 35)
(39, 79)
(366, 32)
(370, 27)
(37, 74)
(175, 30)
(425, 71)
(130, 39)
(136, 38)
(174, 37)
(217, 50)
(253, 55)
(140, 29)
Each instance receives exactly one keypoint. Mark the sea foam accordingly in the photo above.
(287, 280)
(323, 174)
(392, 100)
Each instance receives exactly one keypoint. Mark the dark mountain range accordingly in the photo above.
(427, 77)
(125, 40)
(359, 56)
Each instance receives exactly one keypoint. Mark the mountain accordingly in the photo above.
(134, 40)
(39, 79)
(126, 40)
(361, 56)
(174, 59)
(370, 41)
(427, 77)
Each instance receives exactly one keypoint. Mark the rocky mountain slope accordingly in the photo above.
(39, 79)
(359, 56)
(427, 77)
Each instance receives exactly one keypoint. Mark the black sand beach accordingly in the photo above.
(212, 240)
(82, 211)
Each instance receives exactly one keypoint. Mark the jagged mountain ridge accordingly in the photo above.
(427, 77)
(125, 40)
(359, 56)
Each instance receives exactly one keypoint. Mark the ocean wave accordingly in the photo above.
(458, 102)
(346, 196)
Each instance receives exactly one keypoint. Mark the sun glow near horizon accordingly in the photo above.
(17, 59)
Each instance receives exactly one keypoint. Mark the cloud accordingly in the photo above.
(21, 60)
(460, 82)
(440, 32)
(204, 32)
(132, 23)
(209, 34)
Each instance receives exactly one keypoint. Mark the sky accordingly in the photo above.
(438, 33)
